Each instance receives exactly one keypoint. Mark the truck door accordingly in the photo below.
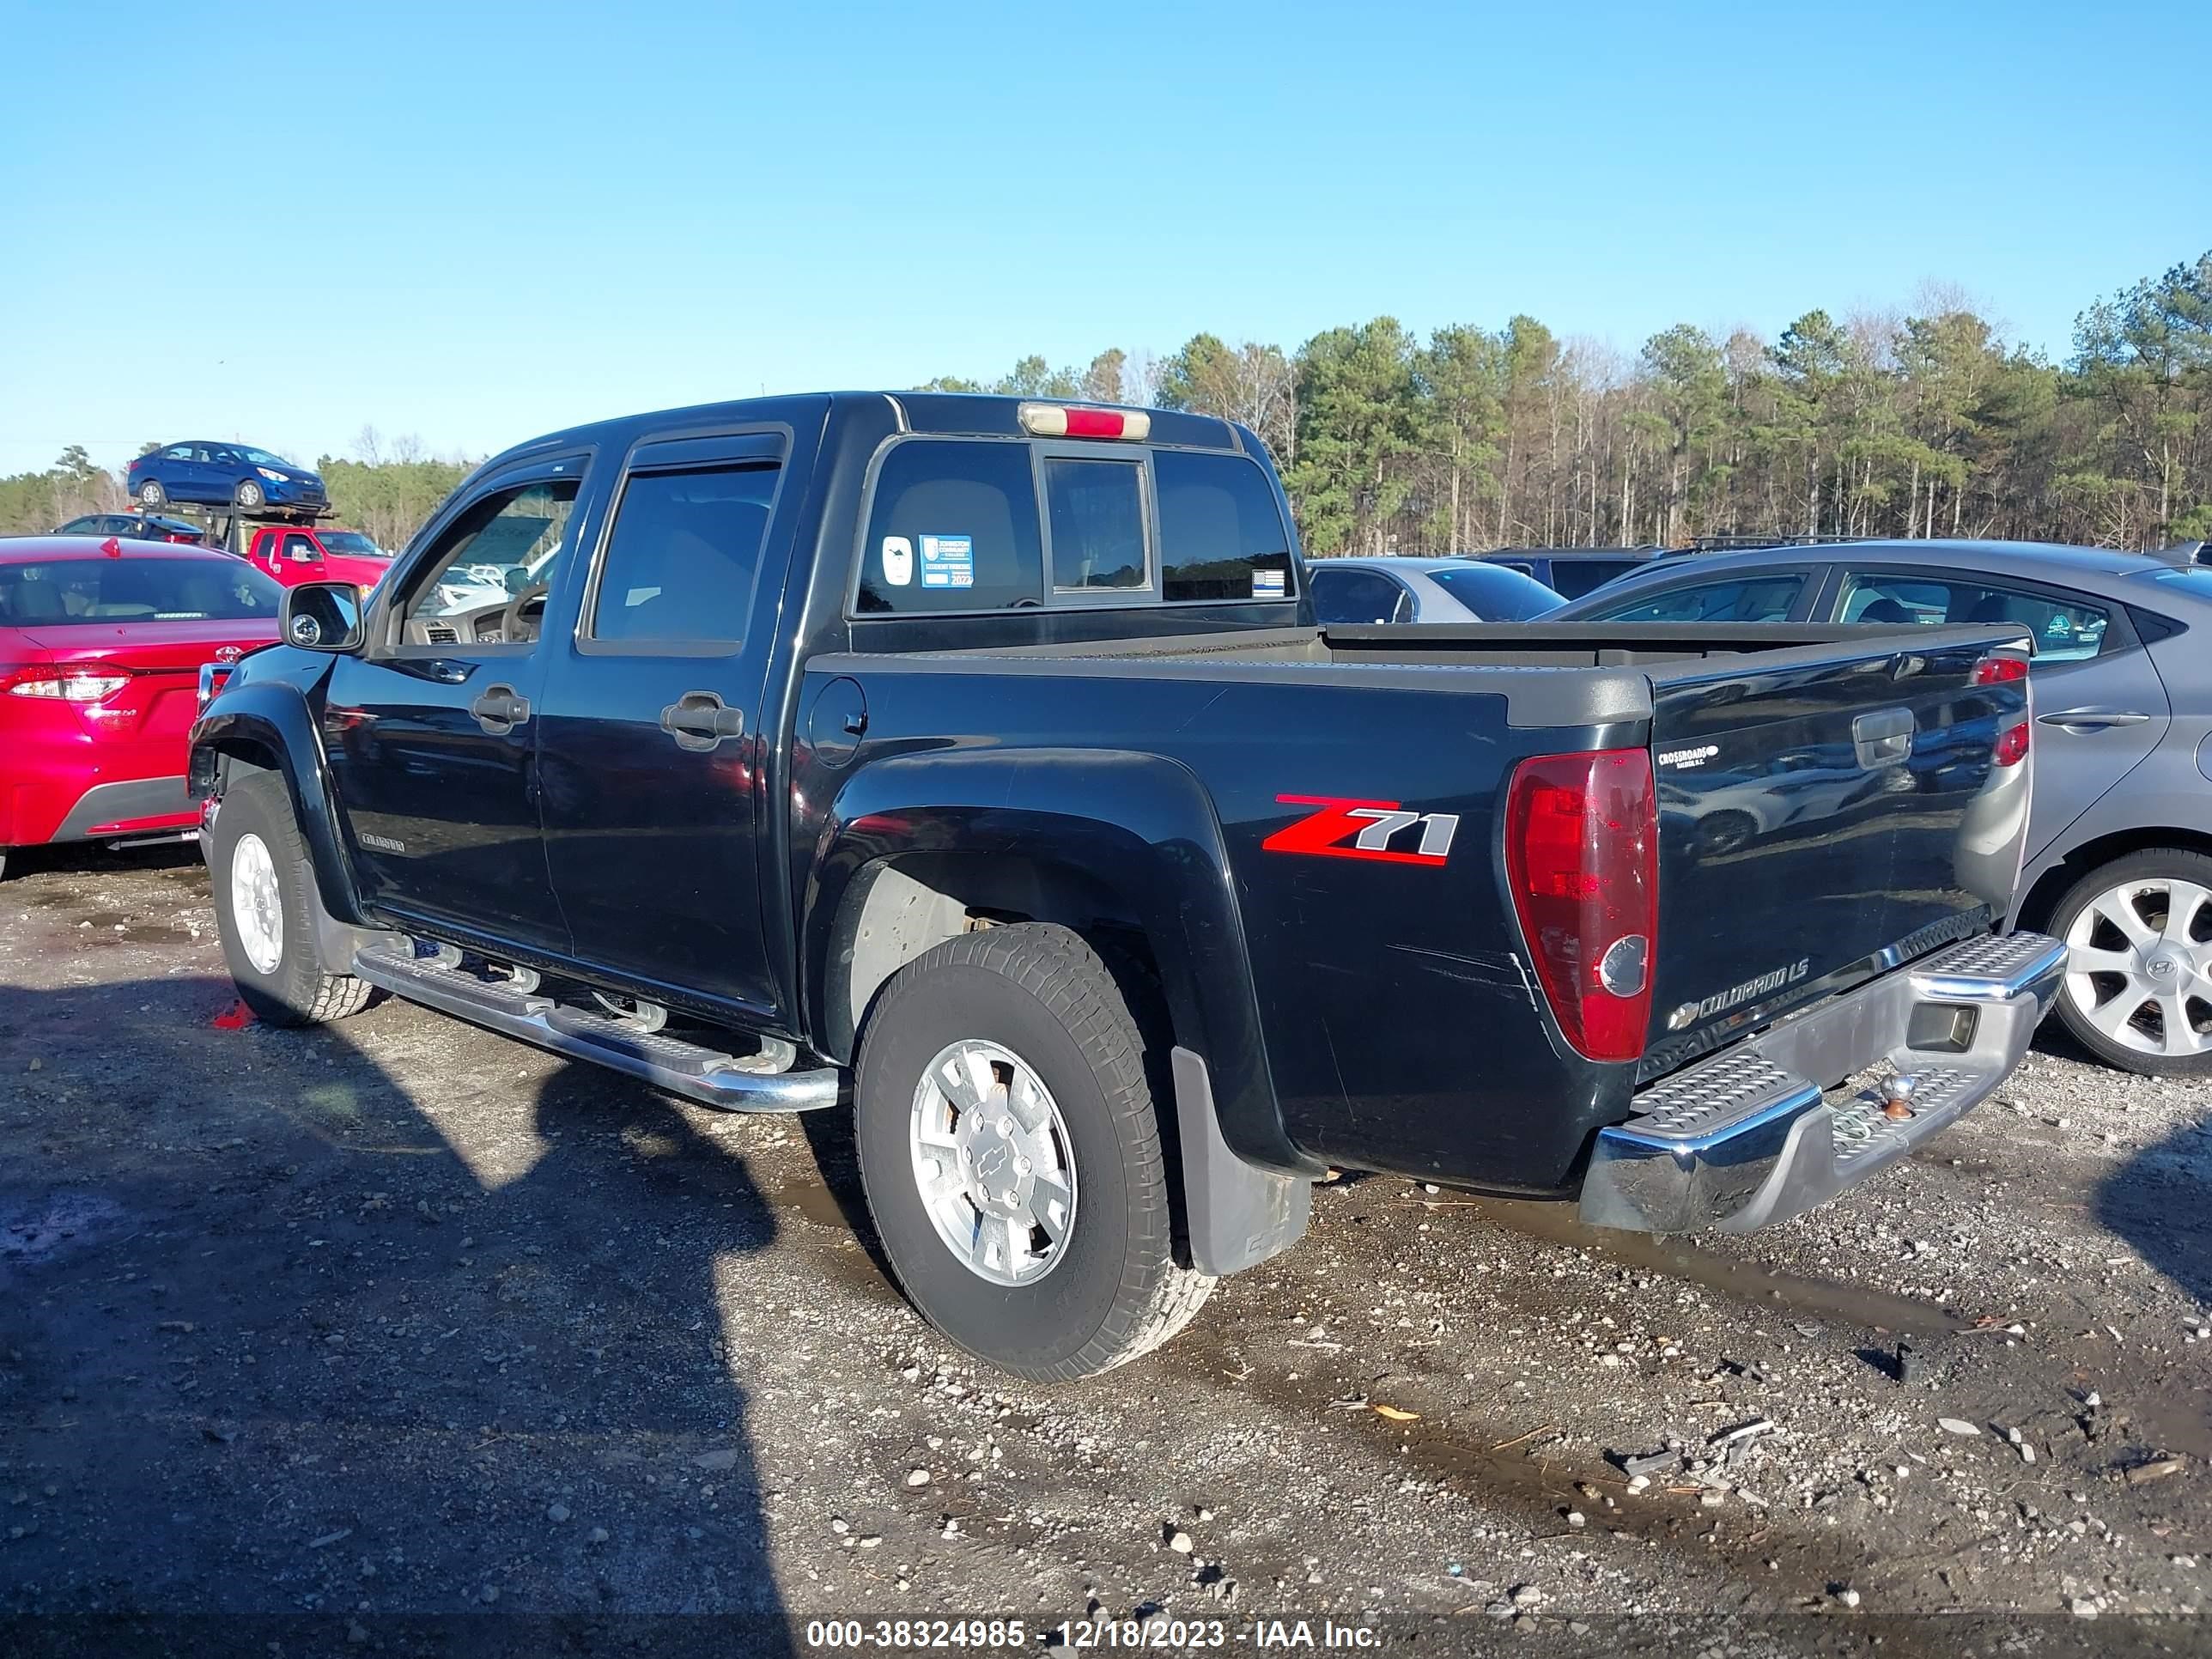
(651, 737)
(432, 732)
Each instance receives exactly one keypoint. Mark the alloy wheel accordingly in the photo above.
(994, 1163)
(2139, 966)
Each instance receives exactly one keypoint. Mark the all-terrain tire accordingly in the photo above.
(1115, 1291)
(2140, 1045)
(298, 988)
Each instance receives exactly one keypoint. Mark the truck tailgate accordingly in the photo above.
(1823, 815)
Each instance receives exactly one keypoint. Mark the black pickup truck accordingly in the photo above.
(977, 763)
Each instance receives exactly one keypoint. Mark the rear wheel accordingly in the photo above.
(265, 915)
(250, 495)
(2138, 934)
(151, 495)
(1010, 1148)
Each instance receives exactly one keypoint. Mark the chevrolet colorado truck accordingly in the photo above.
(976, 764)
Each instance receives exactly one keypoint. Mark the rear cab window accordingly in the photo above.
(961, 524)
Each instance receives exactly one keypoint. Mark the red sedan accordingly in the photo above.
(100, 648)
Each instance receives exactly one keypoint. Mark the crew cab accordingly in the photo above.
(977, 765)
(316, 553)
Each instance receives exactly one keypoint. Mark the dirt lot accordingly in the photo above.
(395, 1337)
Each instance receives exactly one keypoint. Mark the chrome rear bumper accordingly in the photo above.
(1759, 1131)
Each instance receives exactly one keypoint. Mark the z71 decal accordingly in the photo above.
(1372, 826)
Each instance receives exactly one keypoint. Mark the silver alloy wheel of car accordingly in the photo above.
(994, 1163)
(2139, 965)
(256, 905)
(150, 494)
(249, 495)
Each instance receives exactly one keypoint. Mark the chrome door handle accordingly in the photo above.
(499, 711)
(699, 720)
(2092, 719)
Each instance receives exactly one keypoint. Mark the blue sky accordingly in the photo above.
(475, 224)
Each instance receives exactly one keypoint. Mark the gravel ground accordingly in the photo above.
(394, 1336)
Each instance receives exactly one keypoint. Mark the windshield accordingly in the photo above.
(1495, 592)
(263, 457)
(82, 592)
(350, 544)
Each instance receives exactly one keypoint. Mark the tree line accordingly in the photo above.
(1924, 422)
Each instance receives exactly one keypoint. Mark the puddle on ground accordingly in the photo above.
(35, 1229)
(848, 1260)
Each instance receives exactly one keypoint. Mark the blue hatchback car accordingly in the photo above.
(228, 474)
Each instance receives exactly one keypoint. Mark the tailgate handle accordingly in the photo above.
(1883, 738)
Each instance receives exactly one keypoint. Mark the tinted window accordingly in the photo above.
(1221, 535)
(88, 592)
(1576, 577)
(2062, 629)
(1745, 599)
(178, 452)
(351, 543)
(1357, 595)
(81, 527)
(301, 550)
(503, 545)
(1495, 592)
(954, 527)
(1096, 512)
(680, 563)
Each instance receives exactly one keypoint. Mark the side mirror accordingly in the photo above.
(322, 617)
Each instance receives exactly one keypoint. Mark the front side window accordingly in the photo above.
(1221, 533)
(1097, 511)
(682, 558)
(2064, 629)
(300, 549)
(1745, 599)
(953, 527)
(505, 547)
(91, 592)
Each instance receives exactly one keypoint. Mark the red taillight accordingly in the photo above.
(1582, 856)
(67, 682)
(2003, 668)
(1057, 421)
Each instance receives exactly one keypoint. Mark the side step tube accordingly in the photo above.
(706, 1075)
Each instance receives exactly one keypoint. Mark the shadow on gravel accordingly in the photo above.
(290, 1363)
(2161, 1201)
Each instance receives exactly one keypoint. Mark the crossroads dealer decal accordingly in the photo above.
(1374, 829)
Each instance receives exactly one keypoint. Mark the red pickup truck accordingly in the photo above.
(316, 553)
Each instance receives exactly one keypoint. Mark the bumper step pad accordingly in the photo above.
(1749, 1137)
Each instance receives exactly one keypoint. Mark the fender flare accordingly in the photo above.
(1141, 825)
(272, 718)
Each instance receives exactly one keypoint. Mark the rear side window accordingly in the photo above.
(681, 561)
(2064, 630)
(1576, 577)
(1746, 600)
(954, 527)
(1359, 596)
(1221, 534)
